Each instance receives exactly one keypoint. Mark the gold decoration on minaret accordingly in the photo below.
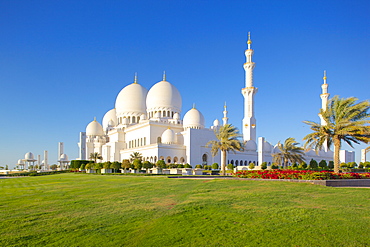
(324, 78)
(164, 75)
(249, 39)
(135, 78)
(193, 105)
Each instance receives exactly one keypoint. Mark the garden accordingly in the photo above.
(77, 209)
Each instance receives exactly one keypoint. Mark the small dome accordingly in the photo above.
(94, 129)
(109, 119)
(216, 123)
(131, 100)
(311, 152)
(193, 119)
(276, 149)
(251, 146)
(111, 123)
(176, 116)
(29, 156)
(163, 96)
(168, 136)
(20, 162)
(63, 157)
(267, 147)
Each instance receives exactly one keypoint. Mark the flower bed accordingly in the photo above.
(304, 175)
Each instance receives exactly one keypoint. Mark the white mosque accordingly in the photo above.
(150, 122)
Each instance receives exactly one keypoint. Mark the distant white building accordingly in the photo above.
(150, 122)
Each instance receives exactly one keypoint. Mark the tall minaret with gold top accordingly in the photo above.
(249, 122)
(324, 104)
(324, 96)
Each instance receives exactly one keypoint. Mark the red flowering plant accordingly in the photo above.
(302, 174)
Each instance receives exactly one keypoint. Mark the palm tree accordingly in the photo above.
(289, 151)
(227, 140)
(95, 156)
(136, 156)
(345, 120)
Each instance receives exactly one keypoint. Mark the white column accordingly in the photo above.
(46, 164)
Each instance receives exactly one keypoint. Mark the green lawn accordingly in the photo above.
(96, 210)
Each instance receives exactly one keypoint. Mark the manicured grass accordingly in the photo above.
(96, 210)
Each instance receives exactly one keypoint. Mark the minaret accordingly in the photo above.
(225, 118)
(249, 122)
(324, 103)
(324, 96)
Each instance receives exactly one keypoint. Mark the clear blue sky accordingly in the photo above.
(62, 63)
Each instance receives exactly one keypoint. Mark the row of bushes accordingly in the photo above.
(33, 173)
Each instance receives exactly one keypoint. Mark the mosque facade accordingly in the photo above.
(150, 122)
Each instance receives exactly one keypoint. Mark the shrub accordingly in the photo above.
(161, 164)
(252, 166)
(198, 166)
(274, 166)
(230, 166)
(215, 166)
(264, 166)
(322, 164)
(302, 165)
(313, 164)
(187, 166)
(331, 164)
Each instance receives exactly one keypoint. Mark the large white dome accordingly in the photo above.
(164, 96)
(131, 100)
(94, 129)
(193, 119)
(109, 119)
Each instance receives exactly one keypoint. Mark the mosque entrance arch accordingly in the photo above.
(204, 159)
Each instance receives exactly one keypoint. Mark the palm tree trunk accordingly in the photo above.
(223, 162)
(337, 145)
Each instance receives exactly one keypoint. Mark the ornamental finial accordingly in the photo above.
(249, 42)
(324, 78)
(135, 78)
(164, 75)
(193, 105)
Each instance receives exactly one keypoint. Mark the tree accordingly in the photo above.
(137, 164)
(98, 166)
(227, 140)
(53, 167)
(251, 166)
(331, 164)
(230, 166)
(95, 156)
(313, 164)
(345, 120)
(322, 164)
(107, 165)
(160, 164)
(289, 151)
(136, 156)
(147, 165)
(126, 164)
(115, 166)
